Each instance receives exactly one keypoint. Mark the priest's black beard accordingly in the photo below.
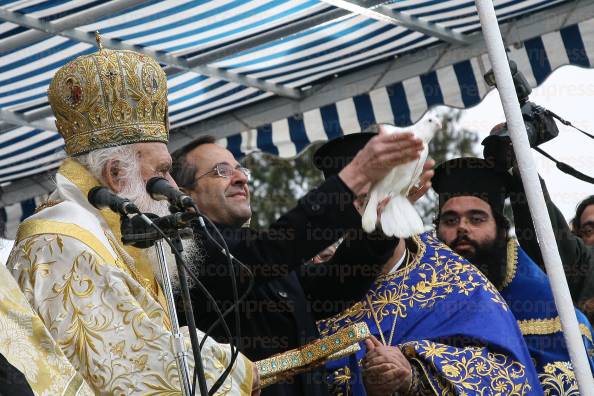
(490, 257)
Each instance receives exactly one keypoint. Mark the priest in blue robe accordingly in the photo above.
(439, 326)
(471, 222)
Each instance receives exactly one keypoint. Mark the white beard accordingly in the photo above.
(192, 255)
(135, 191)
(152, 257)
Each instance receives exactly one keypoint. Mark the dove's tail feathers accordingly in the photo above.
(400, 218)
(369, 220)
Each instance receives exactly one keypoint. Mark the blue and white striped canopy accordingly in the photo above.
(403, 103)
(225, 55)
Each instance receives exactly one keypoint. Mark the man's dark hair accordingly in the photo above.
(502, 223)
(182, 171)
(576, 222)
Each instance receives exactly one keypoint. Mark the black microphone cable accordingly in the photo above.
(196, 351)
(224, 250)
(101, 197)
(160, 189)
(237, 300)
(221, 319)
(243, 295)
(562, 166)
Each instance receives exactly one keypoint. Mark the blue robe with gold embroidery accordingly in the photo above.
(448, 319)
(527, 291)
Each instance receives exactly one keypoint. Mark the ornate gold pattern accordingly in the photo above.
(47, 204)
(375, 315)
(585, 331)
(27, 345)
(558, 378)
(107, 324)
(439, 276)
(109, 98)
(288, 363)
(512, 263)
(341, 378)
(131, 260)
(548, 326)
(466, 369)
(35, 227)
(540, 326)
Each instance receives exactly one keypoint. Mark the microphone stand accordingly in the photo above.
(181, 355)
(177, 339)
(183, 279)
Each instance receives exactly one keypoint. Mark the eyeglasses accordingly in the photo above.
(226, 170)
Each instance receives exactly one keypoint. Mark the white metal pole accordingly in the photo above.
(177, 339)
(536, 202)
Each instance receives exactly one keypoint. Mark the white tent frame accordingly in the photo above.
(536, 202)
(290, 101)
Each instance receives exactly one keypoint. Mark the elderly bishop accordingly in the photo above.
(101, 301)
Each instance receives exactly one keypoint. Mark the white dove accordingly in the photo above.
(399, 218)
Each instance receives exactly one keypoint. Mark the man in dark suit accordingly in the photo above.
(288, 297)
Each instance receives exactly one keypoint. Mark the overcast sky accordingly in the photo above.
(568, 92)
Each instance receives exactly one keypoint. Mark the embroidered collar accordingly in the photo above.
(512, 263)
(136, 261)
(415, 250)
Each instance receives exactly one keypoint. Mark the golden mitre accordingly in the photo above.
(109, 98)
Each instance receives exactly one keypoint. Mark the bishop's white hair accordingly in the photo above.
(129, 170)
(96, 160)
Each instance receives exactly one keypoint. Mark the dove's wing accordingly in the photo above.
(416, 171)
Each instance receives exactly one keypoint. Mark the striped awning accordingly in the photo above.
(403, 103)
(225, 56)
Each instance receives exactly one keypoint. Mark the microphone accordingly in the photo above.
(160, 189)
(175, 221)
(138, 233)
(101, 198)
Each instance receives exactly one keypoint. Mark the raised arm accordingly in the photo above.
(577, 257)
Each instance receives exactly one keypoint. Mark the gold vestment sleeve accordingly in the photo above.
(317, 353)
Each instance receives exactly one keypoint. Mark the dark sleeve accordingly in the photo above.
(319, 219)
(12, 381)
(337, 284)
(576, 256)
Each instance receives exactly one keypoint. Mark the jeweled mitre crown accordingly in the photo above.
(109, 98)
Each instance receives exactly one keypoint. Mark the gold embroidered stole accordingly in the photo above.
(407, 263)
(131, 260)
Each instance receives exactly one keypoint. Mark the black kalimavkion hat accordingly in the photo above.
(470, 176)
(337, 153)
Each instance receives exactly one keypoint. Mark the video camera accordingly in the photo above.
(540, 124)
